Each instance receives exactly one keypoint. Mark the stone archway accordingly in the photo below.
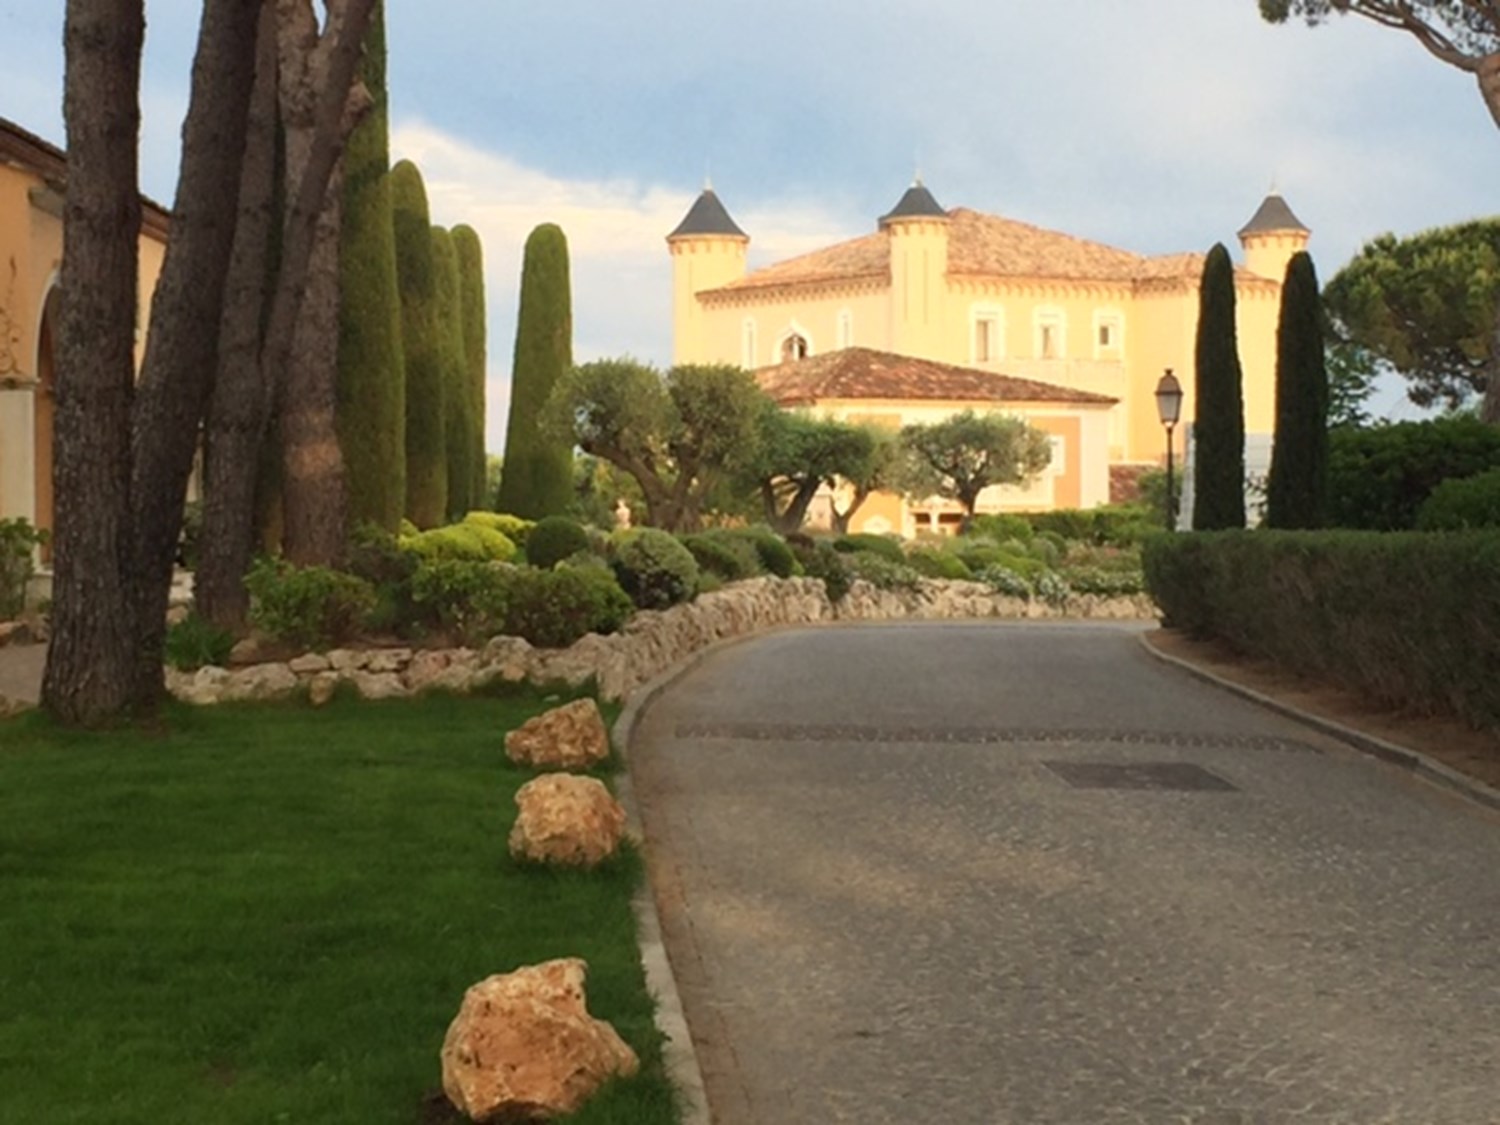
(44, 411)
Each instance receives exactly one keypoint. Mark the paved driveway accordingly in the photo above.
(1023, 873)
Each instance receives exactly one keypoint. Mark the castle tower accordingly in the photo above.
(917, 228)
(1271, 237)
(708, 250)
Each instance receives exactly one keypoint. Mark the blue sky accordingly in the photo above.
(1154, 125)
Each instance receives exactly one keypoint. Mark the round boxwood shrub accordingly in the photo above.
(553, 539)
(512, 527)
(308, 605)
(775, 556)
(1465, 504)
(820, 560)
(466, 597)
(726, 557)
(862, 541)
(934, 562)
(471, 541)
(653, 567)
(881, 572)
(554, 608)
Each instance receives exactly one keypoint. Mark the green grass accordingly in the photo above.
(270, 914)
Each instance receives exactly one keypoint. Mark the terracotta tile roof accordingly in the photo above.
(981, 245)
(997, 247)
(866, 257)
(864, 373)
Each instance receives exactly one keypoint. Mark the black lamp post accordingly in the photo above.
(1169, 409)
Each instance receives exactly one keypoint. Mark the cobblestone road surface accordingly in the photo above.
(1026, 874)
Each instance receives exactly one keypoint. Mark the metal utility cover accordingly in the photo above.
(1174, 776)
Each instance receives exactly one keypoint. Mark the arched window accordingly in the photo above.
(793, 347)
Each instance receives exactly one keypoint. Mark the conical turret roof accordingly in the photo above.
(1273, 215)
(707, 215)
(915, 204)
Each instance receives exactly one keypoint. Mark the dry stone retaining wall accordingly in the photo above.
(650, 644)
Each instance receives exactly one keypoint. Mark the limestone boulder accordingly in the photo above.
(321, 688)
(569, 737)
(378, 685)
(566, 819)
(523, 1046)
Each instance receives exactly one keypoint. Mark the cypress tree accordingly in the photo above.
(456, 398)
(1219, 424)
(537, 479)
(372, 373)
(1297, 491)
(471, 298)
(426, 461)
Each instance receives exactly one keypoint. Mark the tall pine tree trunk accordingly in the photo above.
(241, 402)
(181, 358)
(89, 664)
(312, 464)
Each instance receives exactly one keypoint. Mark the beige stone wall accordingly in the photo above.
(650, 645)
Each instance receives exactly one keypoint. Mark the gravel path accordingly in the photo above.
(1022, 873)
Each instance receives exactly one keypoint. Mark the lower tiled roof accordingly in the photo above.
(864, 373)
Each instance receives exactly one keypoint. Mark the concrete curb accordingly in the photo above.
(1412, 761)
(678, 1054)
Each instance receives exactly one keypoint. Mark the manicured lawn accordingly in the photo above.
(270, 914)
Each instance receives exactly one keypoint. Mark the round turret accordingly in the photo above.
(1271, 237)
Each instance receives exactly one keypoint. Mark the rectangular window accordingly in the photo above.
(846, 329)
(1107, 335)
(747, 346)
(1050, 341)
(986, 344)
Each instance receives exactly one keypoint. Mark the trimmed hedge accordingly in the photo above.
(1408, 620)
(1464, 504)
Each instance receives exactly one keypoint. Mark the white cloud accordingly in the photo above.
(616, 231)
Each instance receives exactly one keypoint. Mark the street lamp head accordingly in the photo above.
(1169, 399)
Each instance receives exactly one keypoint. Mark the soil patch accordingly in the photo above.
(1460, 747)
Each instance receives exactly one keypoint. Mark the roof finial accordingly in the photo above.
(1275, 188)
(708, 182)
(916, 168)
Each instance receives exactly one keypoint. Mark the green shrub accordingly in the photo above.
(1004, 580)
(727, 558)
(775, 556)
(880, 572)
(471, 541)
(466, 597)
(977, 554)
(1124, 525)
(878, 544)
(513, 528)
(817, 559)
(1048, 548)
(553, 539)
(1106, 583)
(314, 606)
(1407, 620)
(18, 544)
(195, 641)
(1000, 526)
(934, 562)
(1465, 504)
(653, 567)
(1378, 479)
(554, 608)
(1068, 523)
(1051, 588)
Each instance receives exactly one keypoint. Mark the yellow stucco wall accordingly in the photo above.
(1075, 479)
(30, 258)
(924, 311)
